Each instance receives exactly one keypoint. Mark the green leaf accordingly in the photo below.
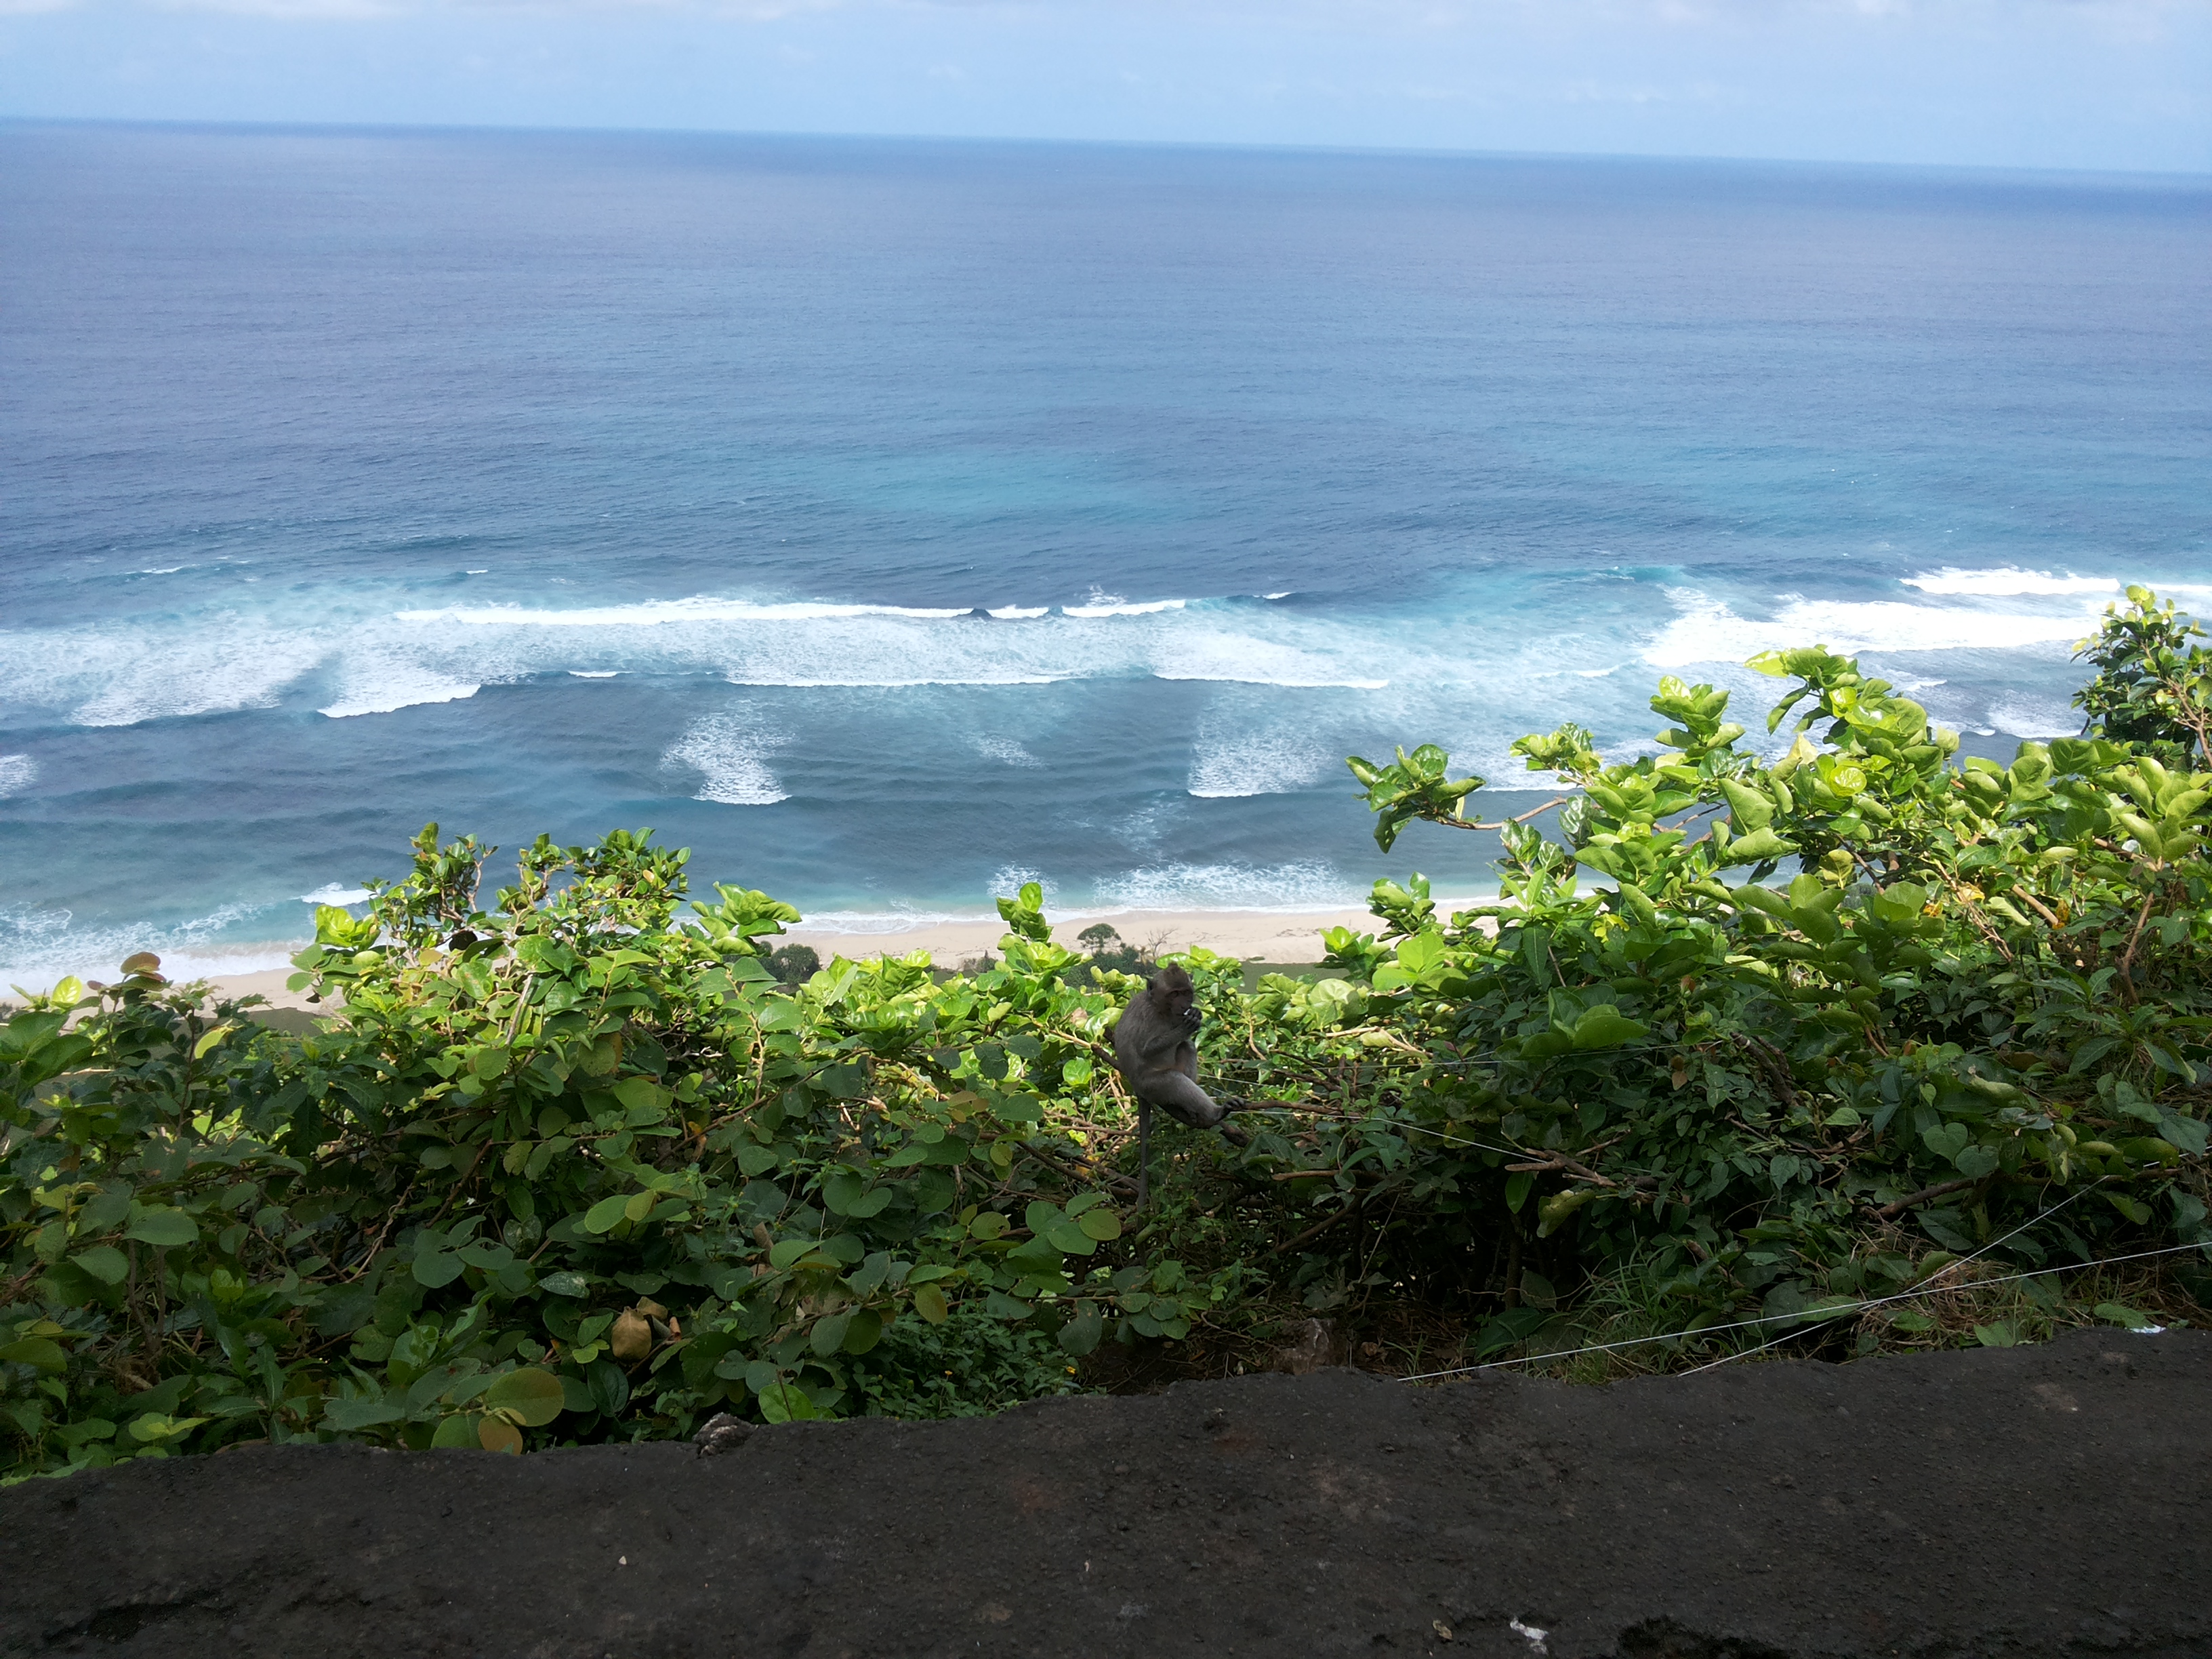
(1551, 1214)
(1606, 1027)
(607, 1214)
(437, 1269)
(565, 1283)
(610, 1387)
(2000, 1334)
(1946, 1140)
(1072, 1237)
(1100, 1224)
(157, 1224)
(640, 1094)
(1758, 847)
(346, 1415)
(785, 1402)
(1752, 809)
(457, 1432)
(1976, 1161)
(863, 1330)
(828, 1335)
(839, 1188)
(1081, 1334)
(36, 1351)
(929, 1303)
(2119, 1314)
(533, 1395)
(104, 1262)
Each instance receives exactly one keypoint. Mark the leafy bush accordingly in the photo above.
(575, 1164)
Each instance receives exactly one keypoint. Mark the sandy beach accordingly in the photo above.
(1271, 936)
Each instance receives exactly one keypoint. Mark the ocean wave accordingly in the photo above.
(1300, 886)
(1706, 630)
(38, 948)
(1247, 660)
(124, 675)
(657, 613)
(378, 683)
(1019, 612)
(887, 921)
(17, 773)
(2025, 718)
(1109, 605)
(851, 682)
(729, 751)
(337, 893)
(2008, 582)
(365, 659)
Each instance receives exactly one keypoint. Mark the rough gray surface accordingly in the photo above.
(2028, 1501)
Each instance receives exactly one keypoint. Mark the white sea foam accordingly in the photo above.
(655, 613)
(2022, 717)
(1111, 606)
(729, 751)
(1217, 654)
(2008, 582)
(121, 675)
(374, 683)
(1305, 885)
(887, 921)
(377, 660)
(39, 947)
(850, 681)
(1228, 762)
(1707, 631)
(16, 773)
(1019, 612)
(1006, 749)
(337, 893)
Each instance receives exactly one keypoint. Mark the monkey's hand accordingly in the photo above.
(1192, 1019)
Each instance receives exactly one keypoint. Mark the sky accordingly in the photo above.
(2099, 84)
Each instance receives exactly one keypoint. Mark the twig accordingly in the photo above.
(1536, 812)
(1318, 1228)
(1926, 1193)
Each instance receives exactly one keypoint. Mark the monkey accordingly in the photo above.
(1153, 1050)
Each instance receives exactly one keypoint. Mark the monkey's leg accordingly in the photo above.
(1190, 1103)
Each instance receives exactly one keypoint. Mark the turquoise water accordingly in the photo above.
(890, 522)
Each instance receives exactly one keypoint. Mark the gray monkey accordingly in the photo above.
(1154, 1052)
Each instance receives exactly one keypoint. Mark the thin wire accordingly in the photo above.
(1821, 1315)
(1748, 1353)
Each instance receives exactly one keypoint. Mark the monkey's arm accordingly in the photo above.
(1155, 1043)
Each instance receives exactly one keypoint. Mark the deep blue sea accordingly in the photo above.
(892, 521)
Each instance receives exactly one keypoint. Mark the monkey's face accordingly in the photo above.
(1176, 996)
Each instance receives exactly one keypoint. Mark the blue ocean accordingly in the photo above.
(892, 522)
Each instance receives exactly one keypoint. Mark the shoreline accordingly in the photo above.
(1280, 938)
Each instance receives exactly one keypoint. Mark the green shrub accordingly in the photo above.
(577, 1165)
